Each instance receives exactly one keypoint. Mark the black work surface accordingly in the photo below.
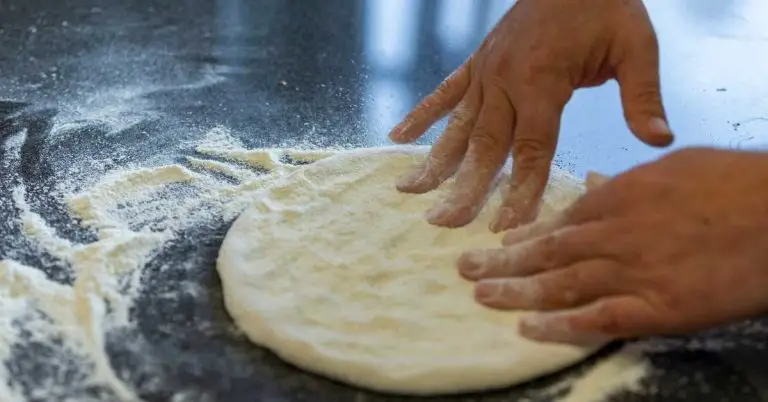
(329, 73)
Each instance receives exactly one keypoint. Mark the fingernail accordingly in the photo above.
(516, 235)
(452, 213)
(397, 133)
(435, 215)
(659, 126)
(546, 327)
(553, 327)
(472, 263)
(486, 291)
(535, 327)
(446, 214)
(511, 293)
(418, 180)
(410, 179)
(503, 220)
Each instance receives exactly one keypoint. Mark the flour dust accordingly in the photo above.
(133, 213)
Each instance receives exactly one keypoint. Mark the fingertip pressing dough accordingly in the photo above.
(340, 274)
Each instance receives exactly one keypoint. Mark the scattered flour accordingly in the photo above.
(134, 212)
(621, 372)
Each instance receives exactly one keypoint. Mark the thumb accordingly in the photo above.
(638, 77)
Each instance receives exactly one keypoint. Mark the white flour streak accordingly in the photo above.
(621, 372)
(134, 213)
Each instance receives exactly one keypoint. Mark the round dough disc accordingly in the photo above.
(338, 273)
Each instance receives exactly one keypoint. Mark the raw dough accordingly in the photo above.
(338, 273)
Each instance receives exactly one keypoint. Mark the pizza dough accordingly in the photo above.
(338, 273)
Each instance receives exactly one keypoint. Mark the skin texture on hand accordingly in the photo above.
(674, 246)
(510, 94)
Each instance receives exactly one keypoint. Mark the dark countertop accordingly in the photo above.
(330, 73)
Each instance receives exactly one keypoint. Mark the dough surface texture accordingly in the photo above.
(338, 273)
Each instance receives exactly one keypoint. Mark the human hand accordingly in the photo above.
(512, 91)
(675, 246)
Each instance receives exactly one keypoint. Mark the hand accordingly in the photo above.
(671, 247)
(512, 91)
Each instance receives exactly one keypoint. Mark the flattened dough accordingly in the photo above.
(338, 273)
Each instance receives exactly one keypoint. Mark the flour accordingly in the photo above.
(13, 305)
(620, 372)
(134, 213)
(120, 107)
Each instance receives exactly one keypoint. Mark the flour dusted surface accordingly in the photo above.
(339, 273)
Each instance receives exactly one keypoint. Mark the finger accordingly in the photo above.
(535, 140)
(612, 198)
(567, 287)
(449, 149)
(545, 226)
(489, 263)
(488, 148)
(557, 249)
(638, 77)
(534, 230)
(498, 262)
(595, 180)
(607, 319)
(434, 106)
(601, 202)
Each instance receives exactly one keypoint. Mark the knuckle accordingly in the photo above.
(647, 93)
(532, 151)
(546, 250)
(456, 78)
(522, 233)
(576, 278)
(661, 293)
(536, 294)
(420, 113)
(463, 115)
(497, 77)
(443, 87)
(525, 194)
(524, 293)
(536, 71)
(647, 40)
(539, 67)
(486, 139)
(610, 319)
(670, 301)
(435, 161)
(446, 93)
(560, 291)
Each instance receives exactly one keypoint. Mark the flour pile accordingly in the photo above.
(133, 214)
